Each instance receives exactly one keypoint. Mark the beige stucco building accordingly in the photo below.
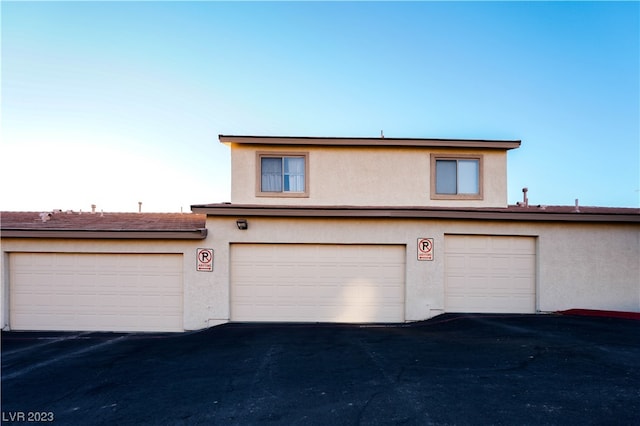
(365, 230)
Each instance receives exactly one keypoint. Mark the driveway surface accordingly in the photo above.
(453, 369)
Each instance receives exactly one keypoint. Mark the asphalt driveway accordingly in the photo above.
(453, 369)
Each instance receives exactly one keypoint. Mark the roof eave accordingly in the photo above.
(409, 213)
(198, 234)
(370, 142)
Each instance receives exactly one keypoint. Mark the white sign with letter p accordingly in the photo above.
(204, 260)
(425, 248)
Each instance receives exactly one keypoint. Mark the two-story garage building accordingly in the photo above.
(392, 230)
(324, 230)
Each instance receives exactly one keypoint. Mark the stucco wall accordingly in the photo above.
(367, 177)
(593, 266)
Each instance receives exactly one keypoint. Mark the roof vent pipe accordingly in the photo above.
(93, 209)
(525, 199)
(139, 206)
(577, 209)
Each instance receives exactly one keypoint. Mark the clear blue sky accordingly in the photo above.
(114, 103)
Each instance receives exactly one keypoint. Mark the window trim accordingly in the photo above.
(281, 154)
(478, 196)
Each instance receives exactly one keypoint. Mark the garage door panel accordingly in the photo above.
(505, 284)
(105, 280)
(467, 283)
(500, 262)
(522, 261)
(328, 283)
(257, 310)
(476, 263)
(248, 291)
(500, 245)
(456, 281)
(521, 245)
(310, 292)
(521, 285)
(247, 277)
(504, 304)
(501, 278)
(103, 292)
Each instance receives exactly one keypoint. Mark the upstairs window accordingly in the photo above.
(282, 175)
(456, 177)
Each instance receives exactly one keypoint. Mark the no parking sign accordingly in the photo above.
(204, 259)
(425, 248)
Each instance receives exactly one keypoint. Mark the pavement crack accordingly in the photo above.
(46, 341)
(30, 368)
(392, 386)
(265, 366)
(366, 406)
(260, 385)
(380, 364)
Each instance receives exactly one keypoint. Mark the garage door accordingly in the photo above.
(96, 292)
(489, 274)
(317, 283)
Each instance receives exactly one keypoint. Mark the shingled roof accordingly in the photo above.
(59, 224)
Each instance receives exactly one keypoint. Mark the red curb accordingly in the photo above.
(599, 313)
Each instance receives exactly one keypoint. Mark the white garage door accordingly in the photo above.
(95, 292)
(317, 283)
(489, 274)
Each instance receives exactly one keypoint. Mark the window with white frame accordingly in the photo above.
(283, 175)
(456, 177)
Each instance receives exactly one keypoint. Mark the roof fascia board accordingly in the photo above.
(371, 142)
(320, 212)
(199, 234)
